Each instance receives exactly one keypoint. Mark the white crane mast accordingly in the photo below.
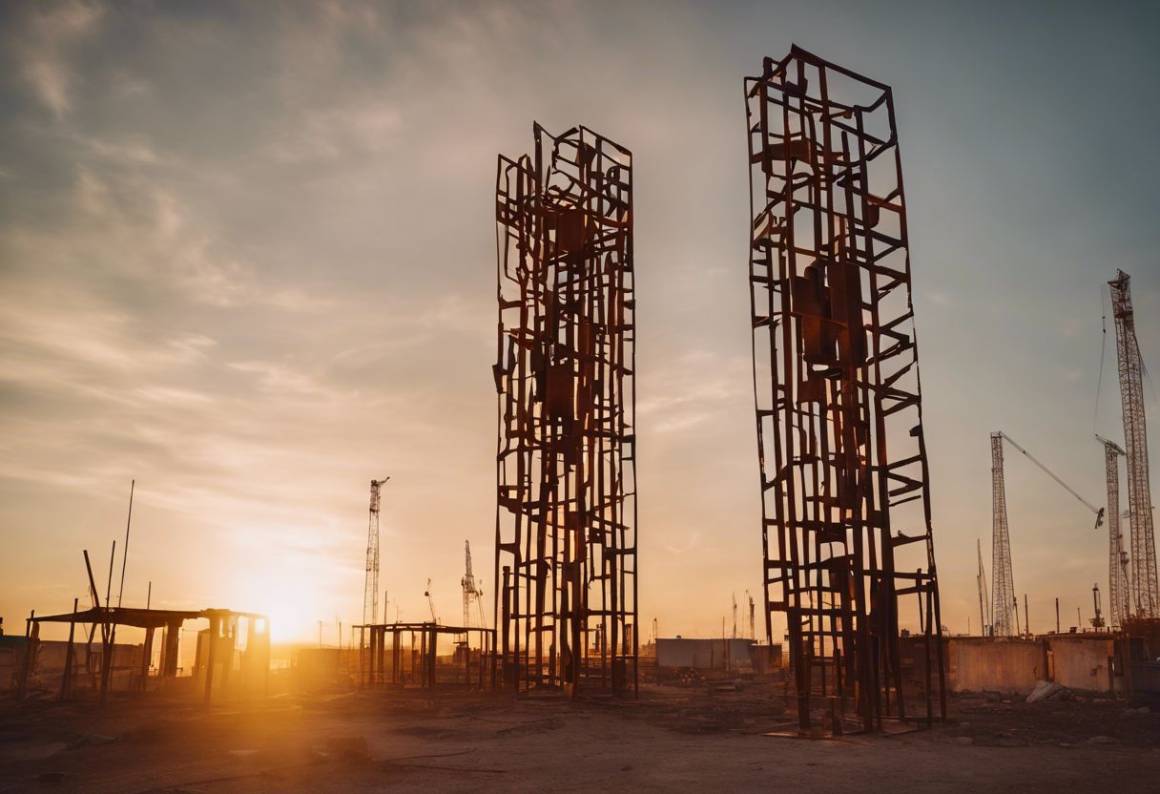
(1143, 586)
(371, 585)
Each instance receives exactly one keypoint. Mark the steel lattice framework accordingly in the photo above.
(1145, 594)
(846, 525)
(1004, 609)
(565, 464)
(371, 583)
(1118, 590)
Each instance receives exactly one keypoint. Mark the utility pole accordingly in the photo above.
(1144, 587)
(1026, 616)
(125, 551)
(981, 581)
(1057, 614)
(734, 597)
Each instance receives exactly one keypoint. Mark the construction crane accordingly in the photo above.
(1118, 588)
(371, 585)
(1098, 620)
(984, 599)
(1004, 602)
(752, 629)
(1145, 597)
(471, 592)
(430, 602)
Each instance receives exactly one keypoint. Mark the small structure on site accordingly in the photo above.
(234, 651)
(408, 654)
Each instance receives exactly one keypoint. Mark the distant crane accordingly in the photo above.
(1145, 593)
(371, 585)
(1118, 587)
(1004, 602)
(1098, 620)
(430, 602)
(984, 599)
(734, 596)
(471, 591)
(752, 629)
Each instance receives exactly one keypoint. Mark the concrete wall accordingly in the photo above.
(1003, 664)
(997, 664)
(1080, 662)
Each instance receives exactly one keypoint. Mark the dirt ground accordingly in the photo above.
(672, 738)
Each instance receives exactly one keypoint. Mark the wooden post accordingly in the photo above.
(146, 657)
(66, 679)
(211, 653)
(31, 632)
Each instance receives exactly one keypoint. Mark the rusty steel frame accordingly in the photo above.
(566, 517)
(846, 526)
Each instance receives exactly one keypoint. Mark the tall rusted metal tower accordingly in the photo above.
(1145, 595)
(565, 595)
(371, 585)
(1118, 588)
(1003, 598)
(846, 518)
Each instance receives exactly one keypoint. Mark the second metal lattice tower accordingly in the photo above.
(846, 513)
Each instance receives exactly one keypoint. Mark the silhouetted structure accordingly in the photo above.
(565, 595)
(836, 384)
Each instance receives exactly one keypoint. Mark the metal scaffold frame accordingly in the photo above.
(846, 527)
(566, 516)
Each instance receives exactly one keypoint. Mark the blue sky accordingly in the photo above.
(247, 257)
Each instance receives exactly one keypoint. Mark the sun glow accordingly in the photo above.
(291, 601)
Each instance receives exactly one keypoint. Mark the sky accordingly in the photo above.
(247, 257)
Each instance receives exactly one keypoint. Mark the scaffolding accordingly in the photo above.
(846, 527)
(565, 595)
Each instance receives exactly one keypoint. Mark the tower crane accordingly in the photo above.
(430, 602)
(1118, 584)
(1145, 591)
(752, 629)
(371, 586)
(471, 591)
(1004, 603)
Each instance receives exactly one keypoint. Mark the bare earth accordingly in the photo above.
(671, 739)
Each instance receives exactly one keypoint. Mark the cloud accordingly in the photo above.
(43, 49)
